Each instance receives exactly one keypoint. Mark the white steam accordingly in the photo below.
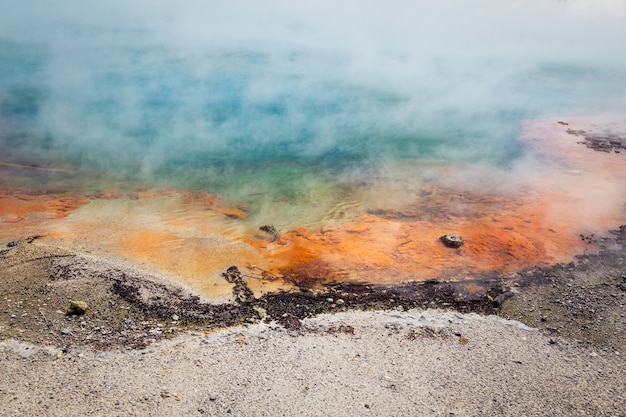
(147, 82)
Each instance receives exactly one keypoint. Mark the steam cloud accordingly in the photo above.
(150, 88)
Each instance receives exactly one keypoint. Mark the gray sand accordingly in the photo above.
(349, 364)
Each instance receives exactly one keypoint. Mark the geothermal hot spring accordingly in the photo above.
(356, 133)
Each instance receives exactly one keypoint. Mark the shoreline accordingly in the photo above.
(134, 354)
(47, 276)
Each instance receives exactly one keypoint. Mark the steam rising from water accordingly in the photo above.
(187, 92)
(369, 123)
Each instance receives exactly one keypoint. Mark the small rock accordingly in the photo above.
(269, 229)
(77, 308)
(452, 241)
(622, 287)
(502, 297)
(175, 317)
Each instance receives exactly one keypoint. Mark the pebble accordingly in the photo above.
(452, 241)
(175, 317)
(77, 308)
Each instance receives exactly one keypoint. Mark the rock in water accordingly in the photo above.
(452, 241)
(77, 308)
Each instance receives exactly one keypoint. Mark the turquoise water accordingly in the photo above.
(294, 103)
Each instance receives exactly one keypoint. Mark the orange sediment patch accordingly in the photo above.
(14, 218)
(64, 205)
(16, 205)
(196, 262)
(374, 249)
(539, 223)
(147, 245)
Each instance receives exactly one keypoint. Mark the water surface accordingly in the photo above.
(361, 131)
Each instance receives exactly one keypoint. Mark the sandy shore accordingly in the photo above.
(128, 357)
(357, 363)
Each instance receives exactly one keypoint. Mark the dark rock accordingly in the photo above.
(270, 230)
(452, 241)
(502, 297)
(241, 291)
